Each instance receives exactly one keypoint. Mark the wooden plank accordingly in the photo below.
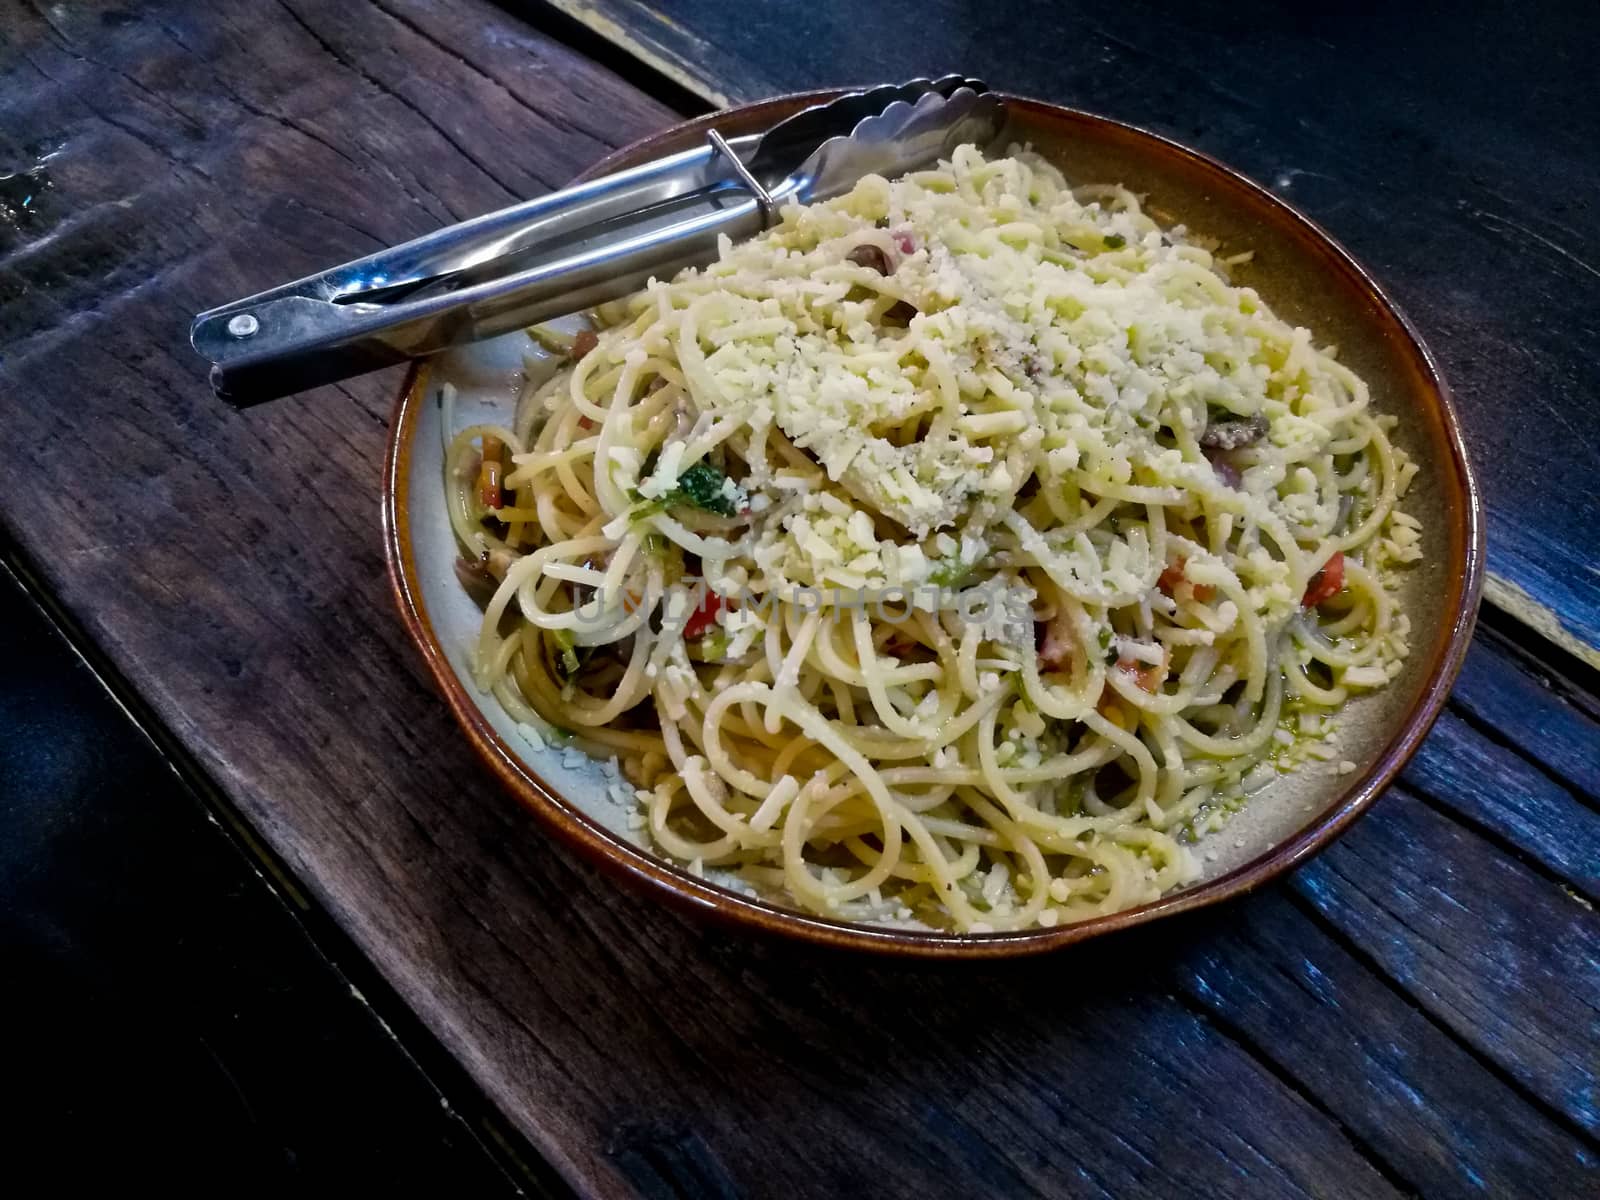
(1506, 960)
(1413, 1096)
(1453, 183)
(1524, 704)
(1510, 800)
(229, 565)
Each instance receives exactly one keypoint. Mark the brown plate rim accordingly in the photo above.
(660, 878)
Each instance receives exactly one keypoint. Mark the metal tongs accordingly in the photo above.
(579, 247)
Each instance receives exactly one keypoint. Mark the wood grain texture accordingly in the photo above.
(1535, 709)
(1279, 979)
(1509, 962)
(1507, 798)
(1459, 175)
(1359, 1033)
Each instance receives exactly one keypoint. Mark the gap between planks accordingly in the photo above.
(1352, 946)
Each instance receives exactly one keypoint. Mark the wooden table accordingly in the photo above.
(1416, 1011)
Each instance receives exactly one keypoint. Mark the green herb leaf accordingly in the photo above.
(701, 486)
(649, 508)
(572, 655)
(550, 339)
(1115, 241)
(1107, 650)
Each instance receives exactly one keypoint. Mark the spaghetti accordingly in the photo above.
(959, 552)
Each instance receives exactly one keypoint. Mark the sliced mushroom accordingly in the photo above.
(1234, 433)
(473, 574)
(1226, 469)
(872, 257)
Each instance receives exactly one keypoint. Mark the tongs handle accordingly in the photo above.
(548, 257)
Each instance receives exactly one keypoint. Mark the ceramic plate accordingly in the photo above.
(1306, 278)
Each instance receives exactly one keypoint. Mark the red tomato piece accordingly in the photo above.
(704, 617)
(1326, 583)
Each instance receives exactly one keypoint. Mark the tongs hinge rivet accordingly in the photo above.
(243, 326)
(769, 210)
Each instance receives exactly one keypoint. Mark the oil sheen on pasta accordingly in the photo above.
(971, 384)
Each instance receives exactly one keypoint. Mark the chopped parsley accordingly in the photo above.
(951, 574)
(647, 508)
(572, 655)
(1115, 241)
(702, 486)
(553, 340)
(1107, 649)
